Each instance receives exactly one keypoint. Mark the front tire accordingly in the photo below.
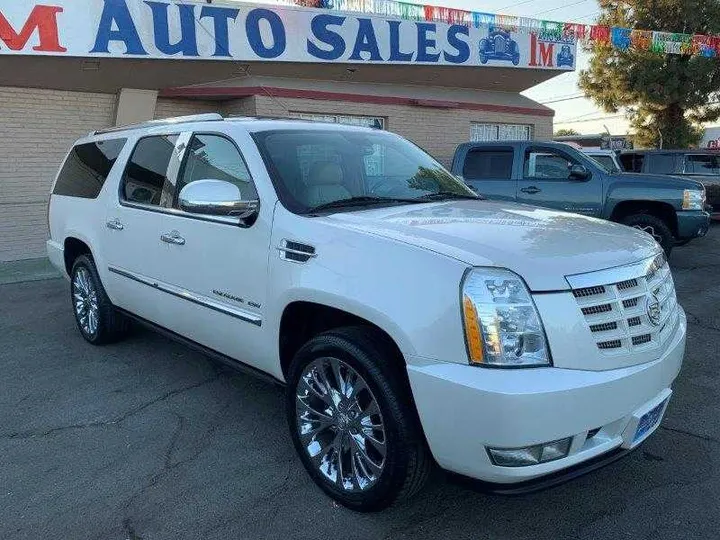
(352, 421)
(96, 317)
(655, 227)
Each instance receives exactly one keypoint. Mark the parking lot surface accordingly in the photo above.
(149, 440)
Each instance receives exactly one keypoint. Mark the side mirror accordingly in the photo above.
(216, 198)
(579, 172)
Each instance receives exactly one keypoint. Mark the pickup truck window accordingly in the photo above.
(548, 164)
(146, 176)
(488, 164)
(214, 157)
(87, 167)
(312, 168)
(702, 164)
(632, 162)
(662, 163)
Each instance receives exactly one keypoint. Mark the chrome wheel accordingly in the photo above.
(85, 301)
(651, 231)
(340, 424)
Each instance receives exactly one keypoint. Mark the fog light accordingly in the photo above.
(530, 455)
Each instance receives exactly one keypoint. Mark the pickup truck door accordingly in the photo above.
(489, 172)
(202, 277)
(546, 182)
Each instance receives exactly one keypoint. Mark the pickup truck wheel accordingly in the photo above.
(96, 317)
(351, 420)
(655, 227)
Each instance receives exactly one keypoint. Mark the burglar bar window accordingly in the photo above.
(500, 132)
(363, 121)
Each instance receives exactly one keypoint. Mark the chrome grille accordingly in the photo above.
(619, 315)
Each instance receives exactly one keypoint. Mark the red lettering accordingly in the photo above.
(546, 53)
(41, 18)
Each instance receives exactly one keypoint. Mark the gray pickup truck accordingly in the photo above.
(557, 176)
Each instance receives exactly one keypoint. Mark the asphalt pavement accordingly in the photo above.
(149, 440)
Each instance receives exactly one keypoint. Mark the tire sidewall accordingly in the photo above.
(385, 491)
(84, 262)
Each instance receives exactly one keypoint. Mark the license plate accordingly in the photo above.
(648, 421)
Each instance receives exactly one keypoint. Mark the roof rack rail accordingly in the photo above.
(208, 117)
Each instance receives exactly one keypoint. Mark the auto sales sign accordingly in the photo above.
(246, 32)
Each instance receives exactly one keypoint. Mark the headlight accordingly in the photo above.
(502, 325)
(694, 199)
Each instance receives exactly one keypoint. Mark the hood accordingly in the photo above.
(543, 246)
(679, 182)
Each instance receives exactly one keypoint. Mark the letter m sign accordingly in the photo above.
(41, 18)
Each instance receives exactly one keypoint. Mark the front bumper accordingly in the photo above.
(464, 410)
(692, 224)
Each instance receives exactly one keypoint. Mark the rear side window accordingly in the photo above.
(146, 176)
(632, 162)
(661, 163)
(87, 167)
(702, 164)
(488, 165)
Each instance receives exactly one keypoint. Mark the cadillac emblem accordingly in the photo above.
(653, 310)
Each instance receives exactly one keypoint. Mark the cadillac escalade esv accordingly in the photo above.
(411, 322)
(556, 175)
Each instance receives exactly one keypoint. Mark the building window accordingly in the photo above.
(500, 132)
(376, 122)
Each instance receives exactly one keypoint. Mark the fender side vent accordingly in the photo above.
(296, 251)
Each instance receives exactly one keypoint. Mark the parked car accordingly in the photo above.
(555, 175)
(565, 57)
(410, 322)
(499, 45)
(609, 159)
(700, 165)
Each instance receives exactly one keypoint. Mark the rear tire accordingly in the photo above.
(655, 227)
(350, 407)
(96, 317)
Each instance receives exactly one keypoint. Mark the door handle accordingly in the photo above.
(532, 190)
(173, 238)
(115, 225)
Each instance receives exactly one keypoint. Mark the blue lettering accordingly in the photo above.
(461, 46)
(116, 11)
(396, 55)
(252, 27)
(366, 42)
(322, 33)
(187, 45)
(426, 42)
(221, 17)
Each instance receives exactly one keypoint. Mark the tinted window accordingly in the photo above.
(702, 164)
(87, 167)
(146, 175)
(488, 165)
(548, 164)
(213, 157)
(606, 161)
(632, 162)
(661, 163)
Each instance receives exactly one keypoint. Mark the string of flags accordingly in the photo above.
(598, 35)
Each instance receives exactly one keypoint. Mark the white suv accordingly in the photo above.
(412, 322)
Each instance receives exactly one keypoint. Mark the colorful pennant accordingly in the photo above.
(598, 35)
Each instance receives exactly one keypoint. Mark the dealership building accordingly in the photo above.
(68, 67)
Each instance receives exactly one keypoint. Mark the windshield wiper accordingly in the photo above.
(443, 195)
(359, 201)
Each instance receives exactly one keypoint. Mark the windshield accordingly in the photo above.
(314, 168)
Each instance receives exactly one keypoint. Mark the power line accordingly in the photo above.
(557, 8)
(516, 4)
(560, 100)
(598, 119)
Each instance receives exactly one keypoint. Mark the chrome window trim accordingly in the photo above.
(225, 220)
(190, 296)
